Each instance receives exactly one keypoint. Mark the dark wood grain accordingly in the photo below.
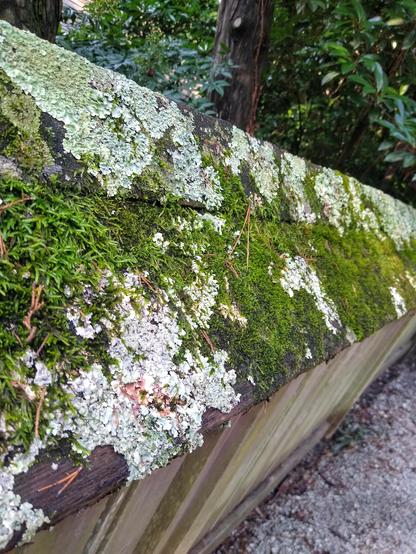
(105, 471)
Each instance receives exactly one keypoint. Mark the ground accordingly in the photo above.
(355, 493)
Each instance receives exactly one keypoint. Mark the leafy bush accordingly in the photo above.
(340, 87)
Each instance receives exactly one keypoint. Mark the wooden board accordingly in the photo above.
(193, 504)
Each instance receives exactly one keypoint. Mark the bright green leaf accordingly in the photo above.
(379, 76)
(329, 77)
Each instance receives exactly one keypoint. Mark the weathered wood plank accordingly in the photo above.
(74, 533)
(134, 513)
(222, 529)
(193, 503)
(350, 375)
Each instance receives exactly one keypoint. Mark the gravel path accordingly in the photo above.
(353, 494)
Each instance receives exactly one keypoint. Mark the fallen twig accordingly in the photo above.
(5, 207)
(67, 480)
(237, 240)
(148, 283)
(248, 234)
(42, 346)
(208, 340)
(19, 340)
(35, 306)
(232, 268)
(42, 394)
(3, 247)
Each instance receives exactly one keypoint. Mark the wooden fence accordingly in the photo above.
(293, 263)
(191, 505)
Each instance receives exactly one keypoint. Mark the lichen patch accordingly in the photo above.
(110, 122)
(398, 302)
(15, 514)
(151, 407)
(298, 275)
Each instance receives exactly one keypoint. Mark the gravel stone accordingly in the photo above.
(355, 493)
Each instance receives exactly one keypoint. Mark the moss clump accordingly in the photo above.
(356, 270)
(54, 241)
(20, 129)
(49, 242)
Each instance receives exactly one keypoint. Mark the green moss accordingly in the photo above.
(356, 270)
(50, 242)
(58, 241)
(21, 137)
(309, 185)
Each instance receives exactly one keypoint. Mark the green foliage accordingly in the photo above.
(340, 88)
(121, 22)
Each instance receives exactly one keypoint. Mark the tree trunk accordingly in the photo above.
(38, 16)
(243, 28)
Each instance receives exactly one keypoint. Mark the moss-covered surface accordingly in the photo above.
(146, 254)
(22, 140)
(55, 241)
(50, 242)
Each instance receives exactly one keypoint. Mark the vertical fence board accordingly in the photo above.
(70, 535)
(136, 513)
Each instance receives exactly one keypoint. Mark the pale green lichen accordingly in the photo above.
(22, 111)
(115, 127)
(298, 275)
(217, 222)
(109, 121)
(343, 202)
(411, 278)
(16, 514)
(397, 220)
(152, 406)
(293, 173)
(259, 158)
(329, 187)
(231, 312)
(363, 217)
(398, 302)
